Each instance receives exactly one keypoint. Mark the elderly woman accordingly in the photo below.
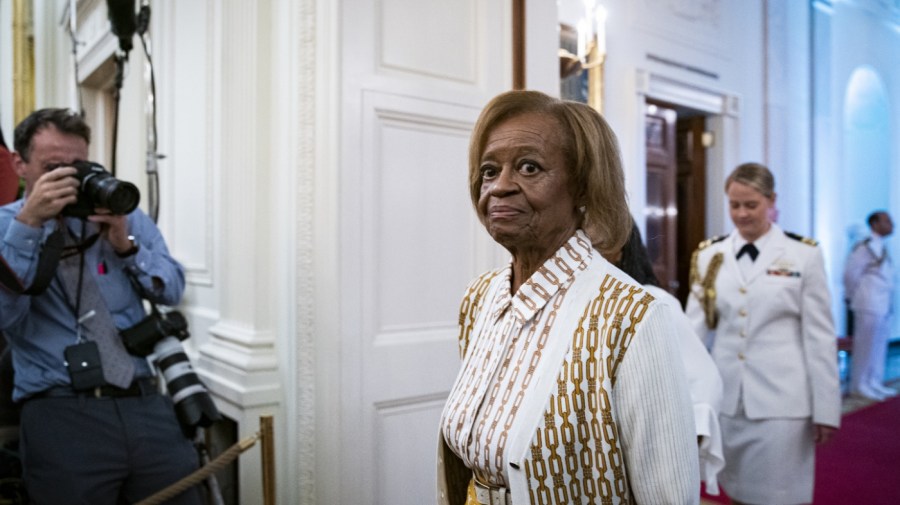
(763, 295)
(571, 390)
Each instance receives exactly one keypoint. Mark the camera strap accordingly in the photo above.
(139, 288)
(51, 251)
(136, 284)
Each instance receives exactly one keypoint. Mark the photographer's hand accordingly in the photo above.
(51, 192)
(114, 228)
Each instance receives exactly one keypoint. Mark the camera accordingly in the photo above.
(141, 338)
(160, 334)
(100, 189)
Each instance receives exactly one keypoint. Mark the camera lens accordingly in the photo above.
(100, 189)
(193, 405)
(120, 197)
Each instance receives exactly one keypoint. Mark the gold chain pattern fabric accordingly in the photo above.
(469, 308)
(502, 339)
(576, 456)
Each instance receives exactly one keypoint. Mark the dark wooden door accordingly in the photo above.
(692, 142)
(662, 206)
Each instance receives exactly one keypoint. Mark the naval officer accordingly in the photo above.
(761, 296)
(869, 289)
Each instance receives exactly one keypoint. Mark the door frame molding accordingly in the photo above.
(723, 121)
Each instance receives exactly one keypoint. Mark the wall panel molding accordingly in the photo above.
(430, 39)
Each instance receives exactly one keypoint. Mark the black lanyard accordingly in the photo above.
(52, 251)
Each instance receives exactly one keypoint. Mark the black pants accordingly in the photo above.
(104, 451)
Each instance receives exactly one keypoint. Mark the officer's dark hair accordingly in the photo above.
(635, 261)
(875, 216)
(65, 120)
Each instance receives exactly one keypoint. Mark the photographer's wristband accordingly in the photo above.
(131, 250)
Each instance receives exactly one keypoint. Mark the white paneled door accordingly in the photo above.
(415, 76)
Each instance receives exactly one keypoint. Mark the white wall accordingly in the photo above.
(851, 35)
(788, 112)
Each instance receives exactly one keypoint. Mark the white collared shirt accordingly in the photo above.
(486, 405)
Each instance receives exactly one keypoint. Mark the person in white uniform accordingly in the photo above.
(763, 296)
(869, 289)
(704, 381)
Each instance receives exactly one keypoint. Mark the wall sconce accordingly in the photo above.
(590, 52)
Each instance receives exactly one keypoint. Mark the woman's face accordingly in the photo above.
(526, 197)
(749, 210)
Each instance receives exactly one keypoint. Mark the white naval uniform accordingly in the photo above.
(776, 350)
(869, 286)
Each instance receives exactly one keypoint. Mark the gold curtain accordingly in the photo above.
(23, 59)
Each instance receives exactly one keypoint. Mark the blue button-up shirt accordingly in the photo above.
(39, 328)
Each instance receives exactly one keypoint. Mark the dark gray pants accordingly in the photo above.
(104, 451)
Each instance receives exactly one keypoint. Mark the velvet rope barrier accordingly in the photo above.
(266, 437)
(201, 474)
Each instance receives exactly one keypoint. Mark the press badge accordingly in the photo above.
(83, 364)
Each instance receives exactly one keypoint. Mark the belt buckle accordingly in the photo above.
(490, 495)
(98, 392)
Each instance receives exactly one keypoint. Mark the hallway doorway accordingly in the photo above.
(676, 141)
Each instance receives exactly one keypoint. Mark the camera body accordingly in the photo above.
(160, 334)
(99, 188)
(141, 339)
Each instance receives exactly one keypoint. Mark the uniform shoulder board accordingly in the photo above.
(801, 238)
(862, 243)
(710, 241)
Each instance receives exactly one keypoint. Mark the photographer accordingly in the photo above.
(94, 427)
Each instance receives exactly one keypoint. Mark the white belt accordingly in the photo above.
(492, 495)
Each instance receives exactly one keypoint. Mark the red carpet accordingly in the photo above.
(720, 498)
(861, 465)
